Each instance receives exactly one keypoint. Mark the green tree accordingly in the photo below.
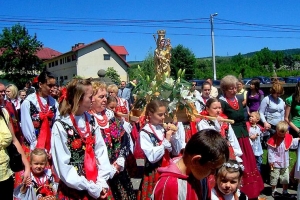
(147, 65)
(18, 60)
(183, 58)
(279, 55)
(113, 75)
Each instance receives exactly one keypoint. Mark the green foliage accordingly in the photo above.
(147, 66)
(113, 75)
(183, 58)
(18, 60)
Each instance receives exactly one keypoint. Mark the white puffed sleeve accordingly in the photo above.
(27, 125)
(61, 158)
(153, 153)
(235, 144)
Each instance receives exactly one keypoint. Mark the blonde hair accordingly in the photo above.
(277, 88)
(256, 114)
(13, 90)
(38, 152)
(98, 85)
(227, 82)
(114, 88)
(75, 92)
(282, 126)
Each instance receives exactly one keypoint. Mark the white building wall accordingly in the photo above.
(91, 60)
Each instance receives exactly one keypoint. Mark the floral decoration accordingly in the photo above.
(175, 91)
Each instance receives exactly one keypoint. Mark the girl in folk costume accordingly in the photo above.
(78, 149)
(228, 179)
(205, 152)
(201, 100)
(41, 182)
(38, 112)
(252, 181)
(122, 105)
(156, 144)
(213, 109)
(117, 143)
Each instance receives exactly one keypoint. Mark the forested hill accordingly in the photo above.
(287, 52)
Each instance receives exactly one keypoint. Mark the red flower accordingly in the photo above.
(76, 144)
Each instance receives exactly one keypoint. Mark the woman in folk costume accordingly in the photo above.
(202, 99)
(252, 181)
(156, 143)
(78, 149)
(117, 143)
(122, 105)
(38, 112)
(12, 105)
(213, 109)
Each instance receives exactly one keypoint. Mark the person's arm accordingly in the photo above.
(153, 153)
(16, 142)
(271, 157)
(27, 125)
(262, 110)
(176, 142)
(101, 154)
(61, 161)
(119, 164)
(287, 118)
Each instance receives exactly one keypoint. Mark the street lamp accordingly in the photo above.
(213, 43)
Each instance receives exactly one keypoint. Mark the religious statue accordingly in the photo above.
(162, 54)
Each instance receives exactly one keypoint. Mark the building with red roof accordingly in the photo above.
(86, 60)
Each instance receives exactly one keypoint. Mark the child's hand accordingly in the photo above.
(103, 194)
(271, 166)
(219, 118)
(118, 167)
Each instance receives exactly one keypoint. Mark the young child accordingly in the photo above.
(228, 180)
(156, 144)
(255, 132)
(41, 180)
(180, 180)
(278, 157)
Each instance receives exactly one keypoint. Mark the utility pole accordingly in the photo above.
(213, 43)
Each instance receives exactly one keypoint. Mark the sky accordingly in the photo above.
(240, 27)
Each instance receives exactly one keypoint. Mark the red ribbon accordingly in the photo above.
(90, 164)
(63, 94)
(44, 139)
(166, 159)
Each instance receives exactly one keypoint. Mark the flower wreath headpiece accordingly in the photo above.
(236, 166)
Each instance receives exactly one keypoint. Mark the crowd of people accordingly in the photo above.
(76, 142)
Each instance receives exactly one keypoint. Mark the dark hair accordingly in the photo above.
(210, 101)
(296, 95)
(153, 106)
(205, 83)
(256, 83)
(111, 99)
(231, 166)
(42, 78)
(209, 144)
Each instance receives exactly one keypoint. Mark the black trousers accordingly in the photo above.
(7, 189)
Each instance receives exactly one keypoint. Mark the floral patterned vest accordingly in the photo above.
(76, 146)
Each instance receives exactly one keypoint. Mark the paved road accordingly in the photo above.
(268, 191)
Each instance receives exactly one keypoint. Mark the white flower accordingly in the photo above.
(153, 83)
(169, 81)
(149, 92)
(185, 94)
(172, 106)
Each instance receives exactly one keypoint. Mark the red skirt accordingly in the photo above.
(148, 183)
(252, 183)
(66, 193)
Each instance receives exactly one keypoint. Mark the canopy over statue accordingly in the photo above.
(162, 54)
